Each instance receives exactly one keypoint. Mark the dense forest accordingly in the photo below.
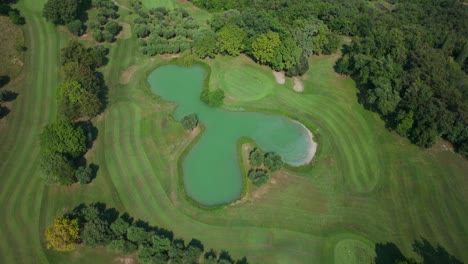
(409, 58)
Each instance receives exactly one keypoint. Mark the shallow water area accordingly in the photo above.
(211, 169)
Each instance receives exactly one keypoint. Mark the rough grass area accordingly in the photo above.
(367, 185)
(11, 37)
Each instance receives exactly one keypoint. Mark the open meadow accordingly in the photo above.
(366, 186)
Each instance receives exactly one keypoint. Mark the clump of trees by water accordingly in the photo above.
(261, 164)
(80, 97)
(97, 226)
(190, 121)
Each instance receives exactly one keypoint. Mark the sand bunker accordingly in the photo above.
(279, 77)
(298, 86)
(312, 146)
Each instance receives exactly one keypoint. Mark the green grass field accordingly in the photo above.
(366, 186)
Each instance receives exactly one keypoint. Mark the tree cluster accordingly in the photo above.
(411, 67)
(104, 27)
(190, 121)
(80, 96)
(260, 162)
(163, 31)
(96, 226)
(278, 34)
(62, 12)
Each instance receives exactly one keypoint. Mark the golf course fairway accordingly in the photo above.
(211, 170)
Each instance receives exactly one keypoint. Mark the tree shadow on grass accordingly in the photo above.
(389, 253)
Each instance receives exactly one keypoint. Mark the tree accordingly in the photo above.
(231, 40)
(96, 233)
(83, 174)
(63, 234)
(123, 246)
(74, 51)
(119, 227)
(6, 96)
(16, 17)
(273, 162)
(287, 55)
(76, 27)
(256, 157)
(138, 234)
(113, 27)
(265, 46)
(75, 101)
(56, 169)
(190, 121)
(61, 12)
(204, 44)
(82, 74)
(258, 177)
(90, 212)
(63, 137)
(384, 96)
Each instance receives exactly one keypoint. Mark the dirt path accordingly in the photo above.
(126, 75)
(122, 6)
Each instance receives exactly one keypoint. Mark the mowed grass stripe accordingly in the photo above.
(24, 202)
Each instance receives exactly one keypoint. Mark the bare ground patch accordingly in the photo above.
(298, 85)
(279, 77)
(126, 75)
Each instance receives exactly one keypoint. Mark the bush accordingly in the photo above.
(190, 121)
(76, 27)
(7, 96)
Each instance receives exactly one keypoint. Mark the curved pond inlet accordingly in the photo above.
(211, 171)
